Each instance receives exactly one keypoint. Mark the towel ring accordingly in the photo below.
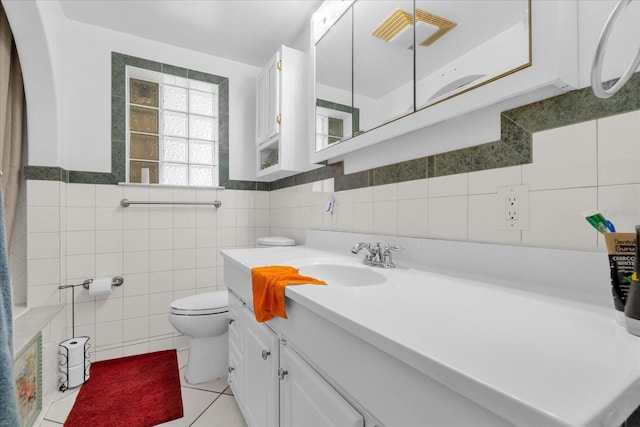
(596, 68)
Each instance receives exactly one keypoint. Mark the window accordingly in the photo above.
(172, 129)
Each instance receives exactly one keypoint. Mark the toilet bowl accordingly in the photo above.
(204, 319)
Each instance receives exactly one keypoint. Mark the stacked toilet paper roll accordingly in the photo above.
(74, 362)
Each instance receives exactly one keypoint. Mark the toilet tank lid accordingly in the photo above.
(275, 241)
(205, 301)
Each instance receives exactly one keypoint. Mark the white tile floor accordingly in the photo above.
(208, 404)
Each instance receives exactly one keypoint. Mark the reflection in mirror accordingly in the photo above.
(385, 59)
(486, 40)
(335, 122)
(334, 84)
(382, 60)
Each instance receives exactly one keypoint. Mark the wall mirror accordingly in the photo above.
(378, 61)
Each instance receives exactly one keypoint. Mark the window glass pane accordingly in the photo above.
(174, 124)
(203, 86)
(143, 146)
(143, 93)
(174, 98)
(174, 150)
(174, 174)
(172, 129)
(143, 119)
(201, 127)
(201, 152)
(175, 80)
(201, 176)
(135, 174)
(201, 103)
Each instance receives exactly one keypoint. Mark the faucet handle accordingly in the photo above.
(388, 248)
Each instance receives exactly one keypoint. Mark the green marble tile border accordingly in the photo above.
(512, 149)
(119, 62)
(118, 132)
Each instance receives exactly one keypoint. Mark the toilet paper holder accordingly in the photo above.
(67, 379)
(115, 282)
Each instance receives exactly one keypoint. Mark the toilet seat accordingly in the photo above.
(201, 304)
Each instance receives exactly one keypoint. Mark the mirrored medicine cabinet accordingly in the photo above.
(377, 62)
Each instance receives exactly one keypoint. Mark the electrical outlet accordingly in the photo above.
(513, 207)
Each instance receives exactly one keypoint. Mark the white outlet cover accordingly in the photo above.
(521, 193)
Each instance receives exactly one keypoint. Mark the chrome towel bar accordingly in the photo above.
(596, 68)
(125, 203)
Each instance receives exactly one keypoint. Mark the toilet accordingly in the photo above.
(267, 242)
(204, 319)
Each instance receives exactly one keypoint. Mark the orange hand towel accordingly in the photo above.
(268, 289)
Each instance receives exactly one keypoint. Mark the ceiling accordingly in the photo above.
(381, 67)
(247, 31)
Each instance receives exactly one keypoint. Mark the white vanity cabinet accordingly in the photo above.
(281, 143)
(331, 376)
(260, 373)
(272, 384)
(235, 345)
(307, 399)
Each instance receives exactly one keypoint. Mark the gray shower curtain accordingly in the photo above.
(11, 108)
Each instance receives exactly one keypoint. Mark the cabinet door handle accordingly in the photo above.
(231, 320)
(265, 354)
(282, 373)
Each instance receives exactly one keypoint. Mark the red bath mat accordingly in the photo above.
(133, 391)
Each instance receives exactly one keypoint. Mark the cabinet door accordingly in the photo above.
(235, 322)
(306, 399)
(234, 378)
(235, 345)
(268, 101)
(260, 373)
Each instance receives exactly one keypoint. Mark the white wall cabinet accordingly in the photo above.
(281, 145)
(553, 71)
(268, 100)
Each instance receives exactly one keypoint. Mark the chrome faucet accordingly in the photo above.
(376, 256)
(362, 246)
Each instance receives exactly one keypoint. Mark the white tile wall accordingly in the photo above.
(565, 157)
(165, 252)
(578, 167)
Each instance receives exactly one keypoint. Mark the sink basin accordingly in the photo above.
(343, 275)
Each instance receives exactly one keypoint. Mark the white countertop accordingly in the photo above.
(531, 358)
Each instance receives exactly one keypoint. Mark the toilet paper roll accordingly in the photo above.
(77, 375)
(72, 352)
(100, 286)
(144, 175)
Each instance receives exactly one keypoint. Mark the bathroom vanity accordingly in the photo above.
(428, 345)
